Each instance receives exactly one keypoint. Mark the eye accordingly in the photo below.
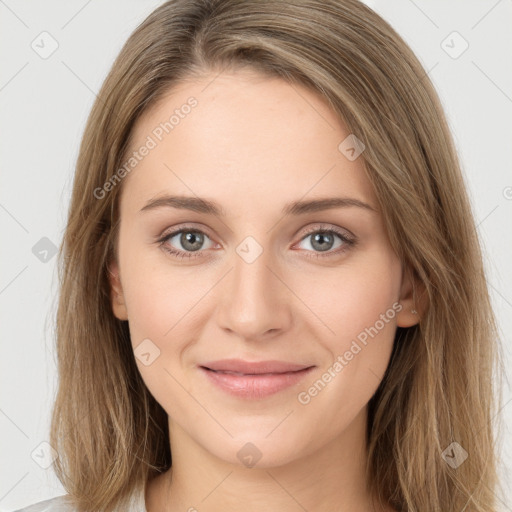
(323, 240)
(190, 240)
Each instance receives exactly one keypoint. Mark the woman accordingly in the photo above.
(272, 293)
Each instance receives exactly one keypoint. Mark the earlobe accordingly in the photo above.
(412, 295)
(116, 292)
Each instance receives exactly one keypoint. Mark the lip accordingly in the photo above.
(253, 367)
(254, 380)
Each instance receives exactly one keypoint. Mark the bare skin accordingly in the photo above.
(252, 145)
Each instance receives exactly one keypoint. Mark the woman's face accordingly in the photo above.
(258, 280)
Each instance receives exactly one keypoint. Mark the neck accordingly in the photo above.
(331, 478)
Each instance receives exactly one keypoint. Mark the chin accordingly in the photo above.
(257, 449)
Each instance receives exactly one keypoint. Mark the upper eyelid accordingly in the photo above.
(172, 232)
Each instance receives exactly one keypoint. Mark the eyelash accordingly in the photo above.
(348, 242)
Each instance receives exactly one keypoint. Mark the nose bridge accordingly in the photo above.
(252, 277)
(253, 299)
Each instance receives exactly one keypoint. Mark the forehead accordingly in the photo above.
(242, 137)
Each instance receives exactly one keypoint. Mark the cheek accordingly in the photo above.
(352, 297)
(162, 306)
(158, 295)
(360, 305)
(162, 321)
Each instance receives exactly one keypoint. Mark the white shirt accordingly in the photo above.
(61, 504)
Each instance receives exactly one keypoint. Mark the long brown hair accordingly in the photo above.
(110, 433)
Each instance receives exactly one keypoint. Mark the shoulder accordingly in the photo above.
(57, 504)
(136, 503)
(63, 504)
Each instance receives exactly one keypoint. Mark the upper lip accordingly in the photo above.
(254, 367)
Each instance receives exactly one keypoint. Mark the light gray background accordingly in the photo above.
(44, 104)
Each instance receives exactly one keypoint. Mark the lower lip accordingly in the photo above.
(255, 386)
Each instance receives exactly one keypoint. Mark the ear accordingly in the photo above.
(412, 299)
(116, 292)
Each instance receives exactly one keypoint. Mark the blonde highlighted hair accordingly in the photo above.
(110, 433)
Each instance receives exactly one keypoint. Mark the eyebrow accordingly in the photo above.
(201, 205)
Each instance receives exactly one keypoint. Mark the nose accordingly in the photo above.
(254, 302)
